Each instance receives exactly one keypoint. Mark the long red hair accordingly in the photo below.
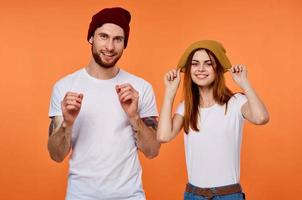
(221, 92)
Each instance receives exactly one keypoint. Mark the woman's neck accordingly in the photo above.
(206, 97)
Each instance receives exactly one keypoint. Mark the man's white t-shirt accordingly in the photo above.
(213, 153)
(104, 163)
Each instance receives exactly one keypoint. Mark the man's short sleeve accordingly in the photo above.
(55, 102)
(148, 103)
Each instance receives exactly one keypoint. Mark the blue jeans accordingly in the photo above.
(235, 196)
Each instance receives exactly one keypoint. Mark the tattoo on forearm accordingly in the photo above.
(51, 127)
(151, 122)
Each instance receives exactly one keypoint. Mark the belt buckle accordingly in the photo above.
(209, 194)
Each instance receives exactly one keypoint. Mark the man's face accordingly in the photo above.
(107, 45)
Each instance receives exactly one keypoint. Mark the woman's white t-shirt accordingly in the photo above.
(213, 153)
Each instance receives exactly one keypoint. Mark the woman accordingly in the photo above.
(212, 118)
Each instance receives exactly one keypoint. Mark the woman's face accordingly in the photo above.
(202, 69)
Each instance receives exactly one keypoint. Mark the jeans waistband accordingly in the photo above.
(214, 191)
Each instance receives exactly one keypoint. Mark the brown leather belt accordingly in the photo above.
(211, 192)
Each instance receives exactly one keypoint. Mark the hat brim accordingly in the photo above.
(215, 47)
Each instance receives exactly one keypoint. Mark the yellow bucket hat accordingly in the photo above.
(215, 47)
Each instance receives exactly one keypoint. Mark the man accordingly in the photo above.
(102, 114)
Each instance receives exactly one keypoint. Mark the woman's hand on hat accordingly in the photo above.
(172, 80)
(239, 75)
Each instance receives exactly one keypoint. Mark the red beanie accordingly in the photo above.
(116, 15)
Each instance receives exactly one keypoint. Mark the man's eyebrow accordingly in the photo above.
(102, 33)
(119, 37)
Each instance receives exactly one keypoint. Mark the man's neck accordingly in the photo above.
(99, 72)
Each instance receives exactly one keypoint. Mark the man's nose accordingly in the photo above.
(110, 45)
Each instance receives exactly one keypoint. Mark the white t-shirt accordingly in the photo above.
(213, 153)
(104, 163)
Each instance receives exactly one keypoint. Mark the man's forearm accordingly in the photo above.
(59, 141)
(145, 137)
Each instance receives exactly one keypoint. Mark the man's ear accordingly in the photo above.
(91, 40)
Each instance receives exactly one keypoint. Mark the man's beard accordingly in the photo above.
(100, 62)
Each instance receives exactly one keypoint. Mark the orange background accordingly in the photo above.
(42, 41)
